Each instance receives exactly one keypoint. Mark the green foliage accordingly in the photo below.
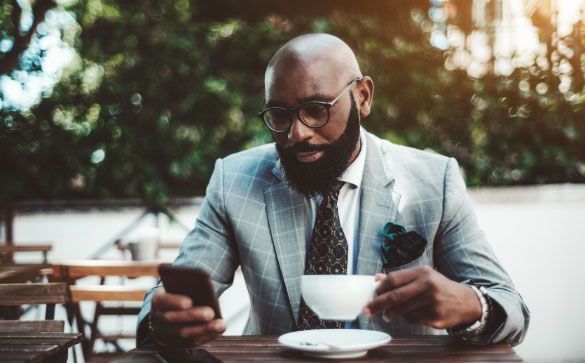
(161, 89)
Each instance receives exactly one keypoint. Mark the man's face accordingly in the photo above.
(314, 158)
(294, 82)
(314, 168)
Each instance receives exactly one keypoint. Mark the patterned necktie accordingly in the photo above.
(327, 255)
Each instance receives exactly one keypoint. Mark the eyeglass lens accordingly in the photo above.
(312, 114)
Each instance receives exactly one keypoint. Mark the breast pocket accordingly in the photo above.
(426, 259)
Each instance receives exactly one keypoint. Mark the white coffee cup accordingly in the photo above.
(144, 243)
(337, 297)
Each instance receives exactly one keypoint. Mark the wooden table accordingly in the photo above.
(77, 269)
(32, 347)
(401, 349)
(160, 246)
(20, 272)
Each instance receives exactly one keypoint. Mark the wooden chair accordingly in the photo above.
(70, 272)
(7, 251)
(36, 341)
(35, 294)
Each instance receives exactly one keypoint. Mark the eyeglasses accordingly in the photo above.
(312, 114)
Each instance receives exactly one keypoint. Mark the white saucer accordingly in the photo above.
(334, 343)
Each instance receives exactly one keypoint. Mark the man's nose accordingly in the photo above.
(298, 131)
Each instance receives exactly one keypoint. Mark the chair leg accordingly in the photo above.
(70, 314)
(70, 317)
(94, 326)
(81, 328)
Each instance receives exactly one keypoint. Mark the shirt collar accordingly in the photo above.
(355, 171)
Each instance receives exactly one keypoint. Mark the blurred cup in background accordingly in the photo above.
(143, 243)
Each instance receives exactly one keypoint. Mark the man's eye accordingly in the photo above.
(313, 111)
(278, 116)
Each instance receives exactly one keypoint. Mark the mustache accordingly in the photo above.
(305, 147)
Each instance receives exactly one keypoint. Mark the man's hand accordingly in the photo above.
(424, 296)
(178, 324)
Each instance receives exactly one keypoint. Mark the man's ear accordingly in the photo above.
(366, 95)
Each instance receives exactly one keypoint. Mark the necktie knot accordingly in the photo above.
(334, 191)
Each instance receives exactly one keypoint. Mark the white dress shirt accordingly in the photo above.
(348, 205)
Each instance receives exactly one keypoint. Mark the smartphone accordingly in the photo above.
(193, 282)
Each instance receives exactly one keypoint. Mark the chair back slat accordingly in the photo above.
(74, 271)
(107, 293)
(33, 294)
(32, 326)
(25, 248)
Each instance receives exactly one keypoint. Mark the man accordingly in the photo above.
(270, 210)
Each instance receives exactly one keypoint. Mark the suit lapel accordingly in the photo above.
(378, 205)
(285, 209)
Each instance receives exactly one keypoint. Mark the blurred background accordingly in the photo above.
(112, 108)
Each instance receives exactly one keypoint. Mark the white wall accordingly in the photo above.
(538, 233)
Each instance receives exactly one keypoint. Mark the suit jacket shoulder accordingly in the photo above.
(254, 165)
(408, 165)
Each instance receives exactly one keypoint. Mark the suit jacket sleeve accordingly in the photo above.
(463, 254)
(210, 245)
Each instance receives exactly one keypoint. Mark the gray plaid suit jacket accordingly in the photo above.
(252, 218)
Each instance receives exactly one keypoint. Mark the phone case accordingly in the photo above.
(193, 282)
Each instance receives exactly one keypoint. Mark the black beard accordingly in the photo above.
(318, 177)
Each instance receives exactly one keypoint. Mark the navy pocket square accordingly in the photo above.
(400, 247)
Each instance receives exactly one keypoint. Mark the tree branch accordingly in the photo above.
(22, 42)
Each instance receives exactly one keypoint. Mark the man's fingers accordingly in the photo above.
(197, 314)
(420, 301)
(397, 288)
(200, 331)
(189, 334)
(193, 331)
(180, 324)
(425, 317)
(401, 277)
(394, 297)
(162, 300)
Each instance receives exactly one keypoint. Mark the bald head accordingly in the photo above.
(312, 58)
